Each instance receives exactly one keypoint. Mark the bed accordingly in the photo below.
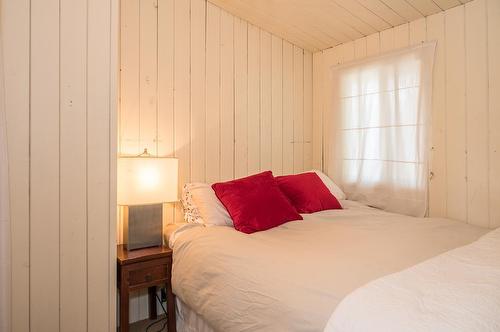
(292, 277)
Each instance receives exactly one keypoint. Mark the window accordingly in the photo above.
(380, 123)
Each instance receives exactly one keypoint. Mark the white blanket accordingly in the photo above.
(456, 291)
(291, 278)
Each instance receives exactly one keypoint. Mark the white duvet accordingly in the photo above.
(291, 278)
(457, 291)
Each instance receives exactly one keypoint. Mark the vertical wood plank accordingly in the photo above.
(166, 89)
(182, 106)
(373, 44)
(227, 97)
(477, 113)
(277, 105)
(455, 114)
(298, 109)
(198, 113)
(387, 40)
(72, 162)
(265, 102)
(360, 48)
(288, 108)
(318, 104)
(494, 109)
(331, 58)
(308, 110)
(348, 53)
(99, 156)
(253, 99)
(401, 36)
(418, 31)
(213, 94)
(148, 71)
(129, 67)
(44, 172)
(114, 75)
(165, 78)
(15, 20)
(437, 185)
(241, 94)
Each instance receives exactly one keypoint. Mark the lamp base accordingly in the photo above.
(142, 226)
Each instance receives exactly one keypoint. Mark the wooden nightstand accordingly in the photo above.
(145, 268)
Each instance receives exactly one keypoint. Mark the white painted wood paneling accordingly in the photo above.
(240, 98)
(148, 74)
(456, 171)
(493, 20)
(61, 112)
(319, 24)
(165, 97)
(288, 109)
(212, 136)
(476, 73)
(198, 106)
(464, 129)
(317, 124)
(372, 44)
(277, 105)
(298, 109)
(437, 185)
(182, 106)
(129, 87)
(265, 101)
(73, 166)
(229, 98)
(253, 99)
(15, 26)
(102, 58)
(44, 167)
(308, 110)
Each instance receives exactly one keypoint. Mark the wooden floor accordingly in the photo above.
(141, 326)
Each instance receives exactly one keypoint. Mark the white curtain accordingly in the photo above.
(4, 210)
(380, 125)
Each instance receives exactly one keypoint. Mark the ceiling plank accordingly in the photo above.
(447, 4)
(425, 7)
(319, 24)
(404, 9)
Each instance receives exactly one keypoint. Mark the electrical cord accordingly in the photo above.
(159, 320)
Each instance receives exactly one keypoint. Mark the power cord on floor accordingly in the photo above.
(159, 320)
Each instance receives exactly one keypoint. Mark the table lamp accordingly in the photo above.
(144, 184)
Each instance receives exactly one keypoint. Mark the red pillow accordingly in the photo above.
(307, 193)
(255, 203)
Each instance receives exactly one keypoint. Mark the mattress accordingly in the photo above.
(291, 278)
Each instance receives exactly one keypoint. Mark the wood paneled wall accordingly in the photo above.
(225, 97)
(61, 82)
(465, 155)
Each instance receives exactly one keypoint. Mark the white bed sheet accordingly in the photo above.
(188, 320)
(458, 291)
(292, 277)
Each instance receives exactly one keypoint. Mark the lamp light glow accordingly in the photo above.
(147, 180)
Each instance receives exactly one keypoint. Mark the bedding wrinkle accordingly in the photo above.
(292, 277)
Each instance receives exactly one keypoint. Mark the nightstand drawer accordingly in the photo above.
(149, 272)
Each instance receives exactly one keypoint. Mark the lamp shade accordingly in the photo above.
(147, 180)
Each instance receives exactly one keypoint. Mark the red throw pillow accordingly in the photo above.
(255, 203)
(307, 193)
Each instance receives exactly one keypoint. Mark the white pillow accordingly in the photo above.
(202, 206)
(334, 189)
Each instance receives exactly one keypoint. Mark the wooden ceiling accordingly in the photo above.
(319, 24)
